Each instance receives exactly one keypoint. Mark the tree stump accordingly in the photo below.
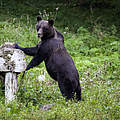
(12, 62)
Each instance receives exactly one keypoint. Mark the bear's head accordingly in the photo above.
(45, 28)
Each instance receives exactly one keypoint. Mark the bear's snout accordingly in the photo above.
(39, 35)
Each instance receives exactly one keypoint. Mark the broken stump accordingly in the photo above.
(12, 62)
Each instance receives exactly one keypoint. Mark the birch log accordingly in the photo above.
(12, 62)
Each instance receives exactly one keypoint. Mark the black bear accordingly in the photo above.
(58, 62)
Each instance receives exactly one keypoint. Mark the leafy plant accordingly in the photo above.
(92, 39)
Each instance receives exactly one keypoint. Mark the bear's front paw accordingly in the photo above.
(15, 46)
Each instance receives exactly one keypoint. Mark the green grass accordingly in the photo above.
(91, 38)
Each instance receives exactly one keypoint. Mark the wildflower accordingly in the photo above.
(57, 9)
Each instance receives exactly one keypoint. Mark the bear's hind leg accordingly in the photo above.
(78, 92)
(66, 90)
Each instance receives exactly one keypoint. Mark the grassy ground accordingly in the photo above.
(91, 38)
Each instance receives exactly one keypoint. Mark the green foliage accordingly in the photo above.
(91, 38)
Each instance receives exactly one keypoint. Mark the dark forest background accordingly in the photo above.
(92, 37)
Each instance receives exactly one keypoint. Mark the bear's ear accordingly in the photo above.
(51, 22)
(39, 18)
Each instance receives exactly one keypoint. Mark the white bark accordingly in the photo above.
(12, 62)
(10, 86)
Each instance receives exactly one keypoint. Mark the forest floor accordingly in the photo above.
(92, 38)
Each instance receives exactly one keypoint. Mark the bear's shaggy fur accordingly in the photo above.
(58, 62)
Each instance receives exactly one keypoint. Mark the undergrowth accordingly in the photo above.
(91, 38)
